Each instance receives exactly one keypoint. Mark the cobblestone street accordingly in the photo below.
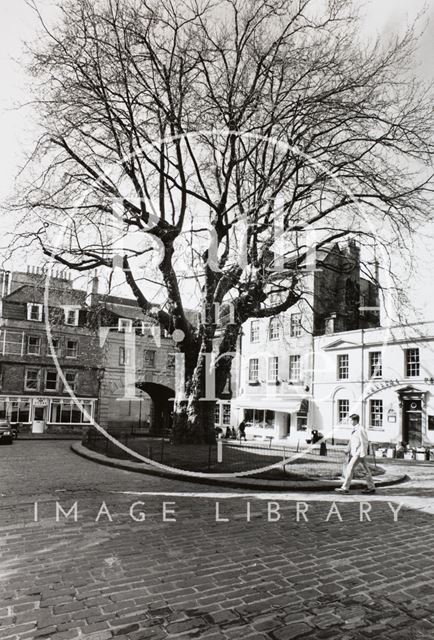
(176, 572)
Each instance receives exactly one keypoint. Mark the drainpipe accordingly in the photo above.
(312, 377)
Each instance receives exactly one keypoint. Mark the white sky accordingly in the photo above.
(19, 23)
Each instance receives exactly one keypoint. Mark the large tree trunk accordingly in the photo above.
(193, 421)
(194, 416)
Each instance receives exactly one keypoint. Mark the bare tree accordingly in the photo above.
(201, 142)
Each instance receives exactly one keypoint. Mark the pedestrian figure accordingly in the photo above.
(228, 433)
(242, 430)
(357, 451)
(315, 436)
(233, 434)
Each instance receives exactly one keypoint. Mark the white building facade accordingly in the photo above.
(386, 375)
(278, 354)
(275, 375)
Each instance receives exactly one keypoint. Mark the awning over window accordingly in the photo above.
(286, 405)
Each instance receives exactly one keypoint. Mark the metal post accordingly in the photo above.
(220, 451)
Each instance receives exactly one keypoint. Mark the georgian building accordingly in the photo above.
(386, 375)
(278, 354)
(41, 369)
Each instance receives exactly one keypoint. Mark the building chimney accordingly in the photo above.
(376, 271)
(94, 290)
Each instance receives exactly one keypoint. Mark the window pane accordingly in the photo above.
(268, 419)
(295, 325)
(70, 377)
(248, 415)
(376, 414)
(34, 312)
(343, 368)
(33, 345)
(88, 407)
(273, 369)
(253, 369)
(412, 362)
(294, 367)
(55, 412)
(19, 411)
(51, 380)
(343, 409)
(75, 414)
(274, 329)
(254, 331)
(31, 379)
(65, 413)
(375, 364)
(71, 348)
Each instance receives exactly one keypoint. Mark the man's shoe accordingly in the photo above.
(340, 490)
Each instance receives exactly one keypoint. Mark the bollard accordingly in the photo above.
(323, 449)
(219, 451)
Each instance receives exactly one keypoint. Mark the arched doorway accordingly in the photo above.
(162, 405)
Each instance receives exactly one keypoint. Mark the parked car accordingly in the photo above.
(6, 435)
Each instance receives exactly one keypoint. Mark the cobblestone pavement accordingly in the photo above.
(240, 577)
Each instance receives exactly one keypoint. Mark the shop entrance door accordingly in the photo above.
(40, 413)
(39, 419)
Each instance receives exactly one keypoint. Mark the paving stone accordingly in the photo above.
(296, 630)
(236, 582)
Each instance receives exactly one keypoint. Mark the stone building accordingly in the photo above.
(46, 361)
(278, 356)
(138, 368)
(384, 374)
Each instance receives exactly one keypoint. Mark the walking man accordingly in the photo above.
(357, 452)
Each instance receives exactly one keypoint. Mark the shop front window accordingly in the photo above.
(68, 413)
(19, 411)
(264, 419)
